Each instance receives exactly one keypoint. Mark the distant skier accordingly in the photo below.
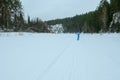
(78, 35)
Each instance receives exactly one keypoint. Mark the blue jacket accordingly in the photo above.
(78, 36)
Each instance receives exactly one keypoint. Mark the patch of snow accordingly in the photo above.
(116, 19)
(58, 28)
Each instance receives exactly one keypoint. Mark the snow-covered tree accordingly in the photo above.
(58, 28)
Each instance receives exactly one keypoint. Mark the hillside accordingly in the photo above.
(106, 18)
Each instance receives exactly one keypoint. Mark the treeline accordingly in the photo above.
(12, 18)
(92, 22)
(106, 18)
(36, 25)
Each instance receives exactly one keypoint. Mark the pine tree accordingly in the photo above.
(115, 5)
(8, 10)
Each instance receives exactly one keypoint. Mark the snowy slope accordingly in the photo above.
(27, 56)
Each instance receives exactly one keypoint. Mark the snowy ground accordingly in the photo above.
(27, 56)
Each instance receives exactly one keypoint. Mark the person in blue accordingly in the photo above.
(78, 36)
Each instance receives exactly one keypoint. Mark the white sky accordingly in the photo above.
(53, 9)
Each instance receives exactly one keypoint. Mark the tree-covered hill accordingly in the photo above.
(92, 22)
(106, 18)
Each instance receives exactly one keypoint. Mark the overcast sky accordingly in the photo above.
(53, 9)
